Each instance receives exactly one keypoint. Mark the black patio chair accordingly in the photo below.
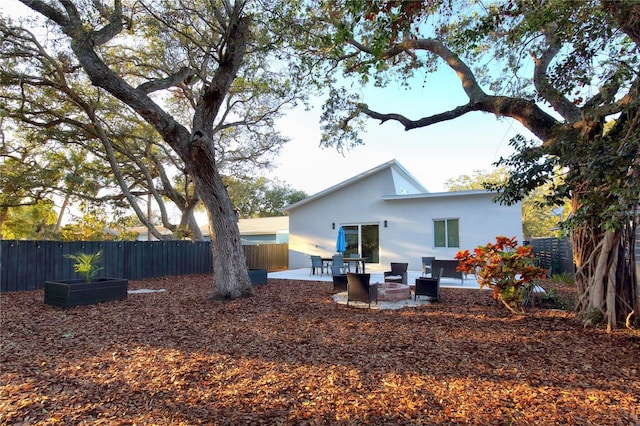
(359, 289)
(429, 287)
(339, 283)
(397, 274)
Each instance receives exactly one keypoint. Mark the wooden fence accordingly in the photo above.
(272, 257)
(554, 253)
(26, 265)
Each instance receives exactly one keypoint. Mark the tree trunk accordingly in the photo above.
(605, 277)
(195, 147)
(231, 278)
(65, 203)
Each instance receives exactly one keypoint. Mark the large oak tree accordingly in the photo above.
(560, 68)
(203, 47)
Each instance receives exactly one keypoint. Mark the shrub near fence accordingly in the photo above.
(26, 265)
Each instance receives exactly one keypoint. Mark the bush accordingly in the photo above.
(551, 300)
(504, 267)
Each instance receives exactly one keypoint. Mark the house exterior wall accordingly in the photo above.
(311, 225)
(409, 232)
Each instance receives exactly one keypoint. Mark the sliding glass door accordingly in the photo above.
(364, 240)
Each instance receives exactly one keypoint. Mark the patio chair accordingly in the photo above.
(359, 289)
(339, 283)
(316, 262)
(429, 287)
(426, 265)
(339, 264)
(397, 274)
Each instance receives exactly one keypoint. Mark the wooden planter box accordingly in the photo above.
(69, 293)
(258, 276)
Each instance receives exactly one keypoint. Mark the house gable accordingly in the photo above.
(392, 218)
(399, 181)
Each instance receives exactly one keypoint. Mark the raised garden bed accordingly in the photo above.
(69, 293)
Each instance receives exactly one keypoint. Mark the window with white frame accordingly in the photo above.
(446, 232)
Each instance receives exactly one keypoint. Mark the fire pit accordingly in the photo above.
(392, 292)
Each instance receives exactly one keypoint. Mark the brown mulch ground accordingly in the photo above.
(290, 355)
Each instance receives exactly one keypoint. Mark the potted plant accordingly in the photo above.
(88, 290)
(87, 264)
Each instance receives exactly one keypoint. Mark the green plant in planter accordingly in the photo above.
(87, 264)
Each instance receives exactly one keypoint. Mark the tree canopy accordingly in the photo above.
(196, 73)
(54, 104)
(560, 68)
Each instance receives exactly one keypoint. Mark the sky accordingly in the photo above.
(432, 154)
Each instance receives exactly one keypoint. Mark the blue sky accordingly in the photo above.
(432, 154)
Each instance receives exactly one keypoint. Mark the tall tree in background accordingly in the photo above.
(538, 219)
(260, 197)
(560, 68)
(200, 47)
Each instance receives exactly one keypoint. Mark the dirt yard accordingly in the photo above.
(290, 356)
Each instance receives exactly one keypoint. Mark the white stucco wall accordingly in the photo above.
(310, 225)
(409, 233)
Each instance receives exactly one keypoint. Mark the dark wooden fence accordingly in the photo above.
(26, 265)
(272, 257)
(554, 253)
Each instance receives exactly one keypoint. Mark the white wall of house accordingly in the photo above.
(410, 231)
(409, 234)
(311, 225)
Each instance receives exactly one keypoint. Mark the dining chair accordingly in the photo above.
(426, 264)
(338, 263)
(316, 262)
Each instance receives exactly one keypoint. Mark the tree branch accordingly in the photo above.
(173, 80)
(414, 124)
(566, 108)
(524, 111)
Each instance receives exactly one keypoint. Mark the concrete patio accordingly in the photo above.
(377, 275)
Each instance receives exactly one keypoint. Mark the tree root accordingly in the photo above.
(627, 323)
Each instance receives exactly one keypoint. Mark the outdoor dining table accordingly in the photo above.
(356, 260)
(327, 261)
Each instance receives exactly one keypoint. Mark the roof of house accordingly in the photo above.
(252, 226)
(264, 225)
(392, 164)
(437, 195)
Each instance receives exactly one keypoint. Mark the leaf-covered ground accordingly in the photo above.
(290, 355)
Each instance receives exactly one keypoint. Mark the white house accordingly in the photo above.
(388, 216)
